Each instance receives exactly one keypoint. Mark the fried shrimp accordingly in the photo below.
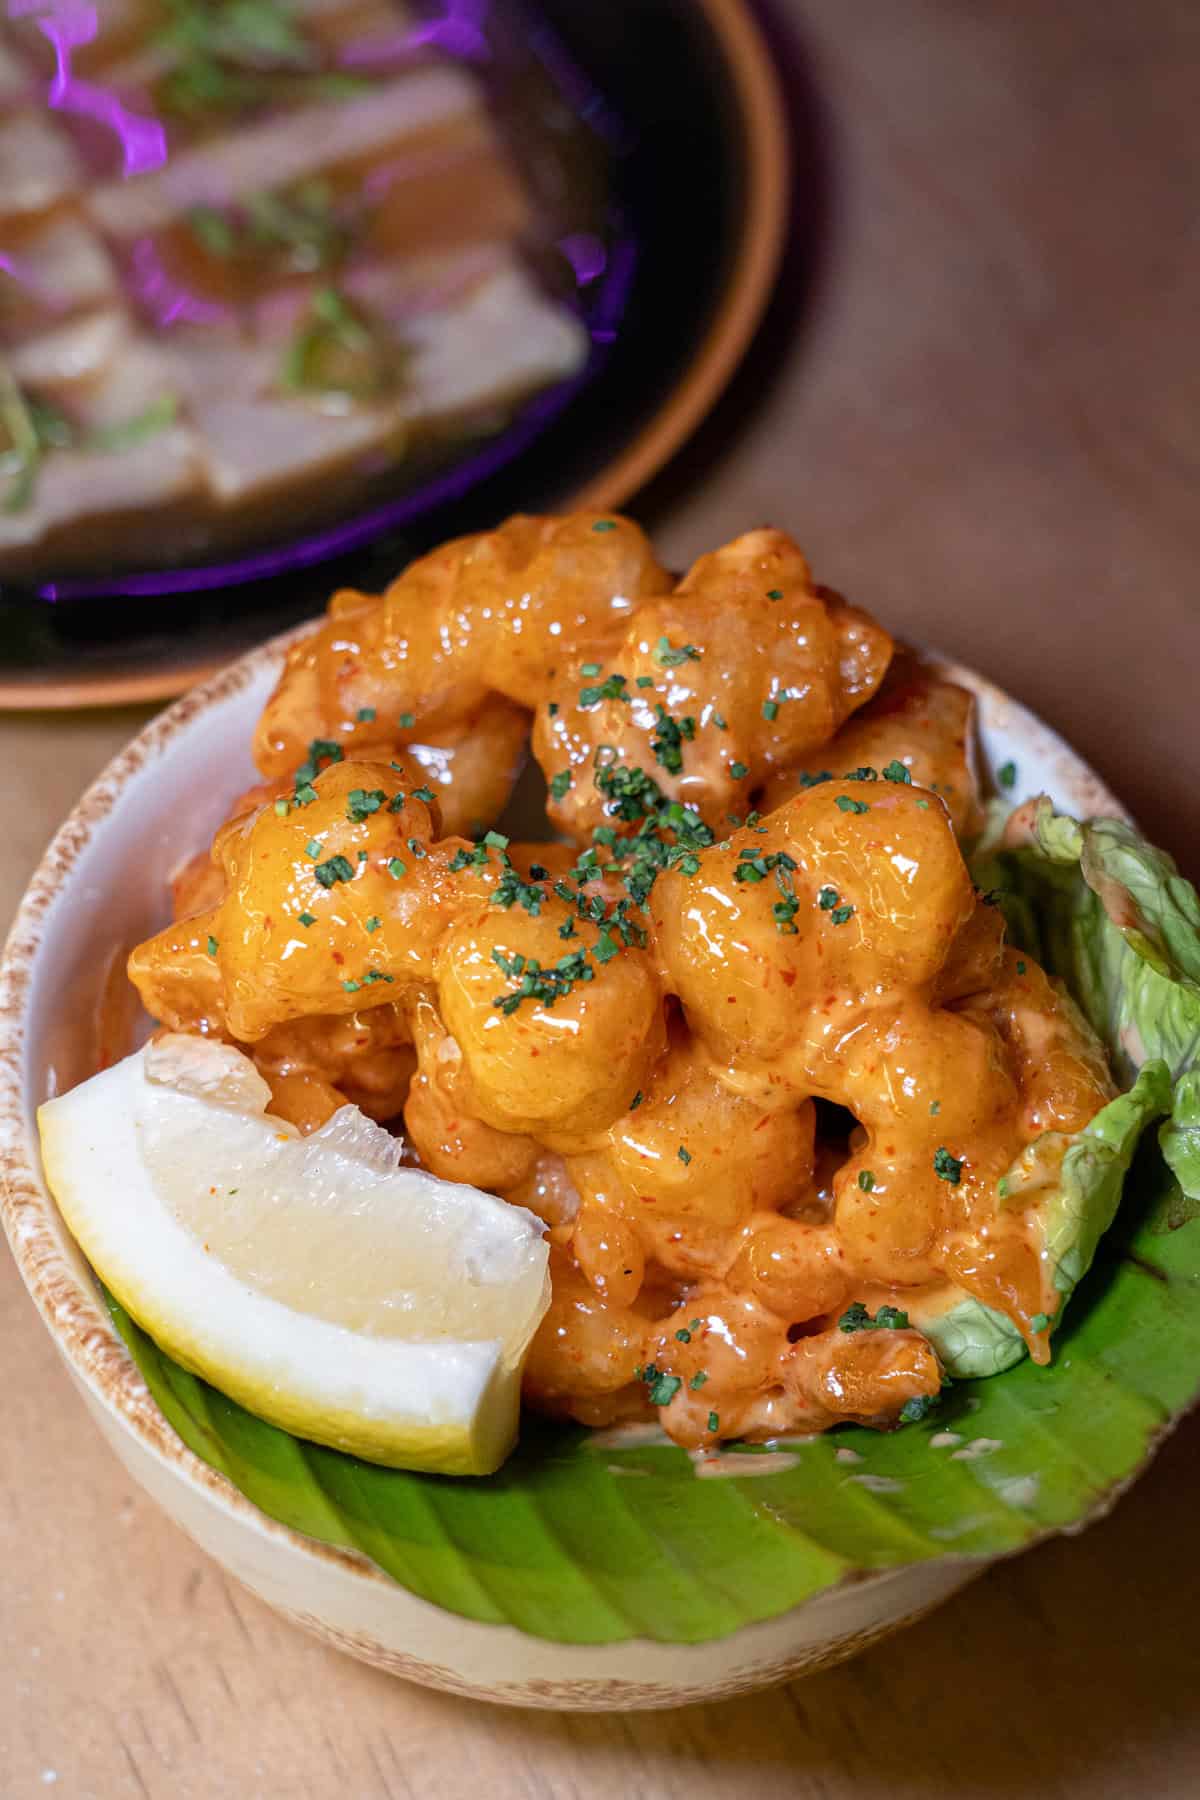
(745, 1036)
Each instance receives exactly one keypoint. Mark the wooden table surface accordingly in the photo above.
(980, 413)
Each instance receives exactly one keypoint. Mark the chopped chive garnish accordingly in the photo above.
(212, 946)
(336, 869)
(845, 804)
(396, 868)
(947, 1167)
(307, 919)
(365, 714)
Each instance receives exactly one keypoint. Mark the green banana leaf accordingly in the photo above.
(580, 1540)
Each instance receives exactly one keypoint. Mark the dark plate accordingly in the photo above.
(684, 95)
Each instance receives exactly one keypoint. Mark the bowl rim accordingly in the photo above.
(764, 139)
(70, 1305)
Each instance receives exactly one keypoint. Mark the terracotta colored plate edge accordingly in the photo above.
(756, 263)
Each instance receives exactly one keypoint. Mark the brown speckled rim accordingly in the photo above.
(69, 1304)
(766, 171)
(71, 1307)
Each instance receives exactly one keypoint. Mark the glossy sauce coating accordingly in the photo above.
(631, 1031)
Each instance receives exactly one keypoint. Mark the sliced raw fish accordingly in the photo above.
(282, 149)
(39, 167)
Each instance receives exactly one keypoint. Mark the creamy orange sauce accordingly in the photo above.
(638, 1031)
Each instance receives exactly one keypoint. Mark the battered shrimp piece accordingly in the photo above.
(916, 720)
(683, 1170)
(438, 1116)
(473, 766)
(328, 906)
(852, 891)
(739, 671)
(562, 1060)
(473, 617)
(586, 1354)
(363, 1058)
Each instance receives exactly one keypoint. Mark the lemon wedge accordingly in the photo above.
(313, 1279)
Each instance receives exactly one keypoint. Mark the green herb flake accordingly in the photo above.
(396, 868)
(336, 869)
(406, 721)
(770, 709)
(828, 898)
(841, 915)
(645, 681)
(684, 1154)
(698, 1380)
(365, 715)
(947, 1167)
(664, 1389)
(857, 1318)
(212, 946)
(896, 771)
(307, 919)
(374, 922)
(845, 804)
(283, 807)
(916, 1409)
(1006, 775)
(866, 1181)
(935, 1107)
(683, 1335)
(424, 793)
(605, 525)
(1021, 968)
(739, 771)
(590, 668)
(321, 750)
(313, 848)
(636, 1101)
(362, 802)
(560, 783)
(774, 593)
(714, 1421)
(667, 658)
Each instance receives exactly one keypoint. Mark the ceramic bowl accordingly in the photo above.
(102, 886)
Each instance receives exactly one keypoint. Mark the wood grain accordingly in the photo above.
(980, 412)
